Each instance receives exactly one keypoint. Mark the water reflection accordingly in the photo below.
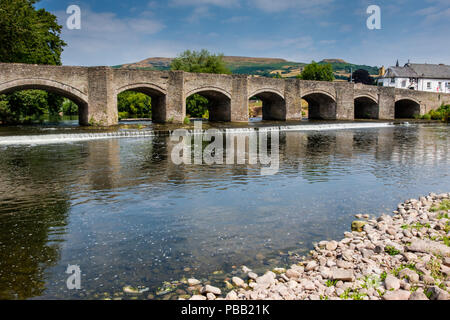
(128, 216)
(33, 220)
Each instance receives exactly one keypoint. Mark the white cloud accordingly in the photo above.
(433, 14)
(219, 3)
(106, 39)
(306, 6)
(327, 42)
(236, 19)
(198, 14)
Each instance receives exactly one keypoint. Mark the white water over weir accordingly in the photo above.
(76, 137)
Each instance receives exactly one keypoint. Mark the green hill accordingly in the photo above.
(267, 67)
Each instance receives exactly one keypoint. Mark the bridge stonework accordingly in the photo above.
(95, 91)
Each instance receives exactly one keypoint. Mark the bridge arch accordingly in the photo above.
(62, 89)
(366, 107)
(321, 105)
(219, 102)
(407, 108)
(273, 104)
(156, 93)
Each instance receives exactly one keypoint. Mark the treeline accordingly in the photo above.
(28, 35)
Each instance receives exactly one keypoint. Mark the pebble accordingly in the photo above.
(238, 282)
(358, 261)
(193, 282)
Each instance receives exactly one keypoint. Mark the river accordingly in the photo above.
(120, 209)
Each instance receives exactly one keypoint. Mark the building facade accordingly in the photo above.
(421, 77)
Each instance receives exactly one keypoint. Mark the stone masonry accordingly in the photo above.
(95, 90)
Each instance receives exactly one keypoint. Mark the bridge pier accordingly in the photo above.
(102, 105)
(345, 101)
(293, 99)
(175, 100)
(386, 103)
(239, 99)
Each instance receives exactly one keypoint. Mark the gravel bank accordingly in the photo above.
(405, 256)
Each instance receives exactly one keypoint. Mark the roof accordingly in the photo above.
(415, 70)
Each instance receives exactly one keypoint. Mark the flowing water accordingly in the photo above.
(112, 202)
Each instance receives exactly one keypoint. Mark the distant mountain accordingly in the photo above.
(267, 67)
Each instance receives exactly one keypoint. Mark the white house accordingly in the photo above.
(422, 77)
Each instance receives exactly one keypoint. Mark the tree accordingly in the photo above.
(318, 72)
(134, 104)
(362, 76)
(200, 62)
(28, 35)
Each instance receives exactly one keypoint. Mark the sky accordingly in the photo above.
(117, 32)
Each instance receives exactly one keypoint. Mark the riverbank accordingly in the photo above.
(404, 256)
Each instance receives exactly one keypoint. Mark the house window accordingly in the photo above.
(392, 80)
(404, 84)
(428, 85)
(448, 85)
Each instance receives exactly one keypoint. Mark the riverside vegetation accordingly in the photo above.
(441, 114)
(405, 256)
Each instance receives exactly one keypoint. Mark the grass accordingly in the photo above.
(391, 251)
(418, 226)
(443, 216)
(443, 206)
(410, 266)
(331, 283)
(371, 282)
(354, 295)
(446, 241)
(434, 265)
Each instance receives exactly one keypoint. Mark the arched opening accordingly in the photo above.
(273, 106)
(321, 106)
(40, 103)
(141, 102)
(366, 108)
(406, 109)
(209, 104)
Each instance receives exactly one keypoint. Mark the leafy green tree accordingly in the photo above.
(69, 108)
(197, 106)
(28, 35)
(134, 104)
(27, 105)
(199, 62)
(317, 72)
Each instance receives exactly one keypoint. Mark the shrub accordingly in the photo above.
(123, 115)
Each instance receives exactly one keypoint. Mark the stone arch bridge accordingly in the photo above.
(95, 90)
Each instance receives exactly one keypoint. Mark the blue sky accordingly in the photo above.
(117, 32)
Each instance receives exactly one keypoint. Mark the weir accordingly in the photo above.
(79, 137)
